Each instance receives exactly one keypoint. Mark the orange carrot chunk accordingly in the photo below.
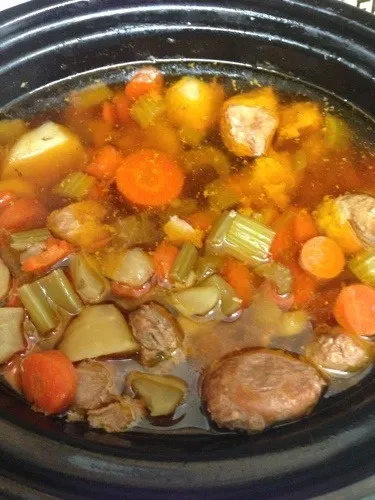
(106, 161)
(145, 80)
(355, 309)
(239, 277)
(283, 241)
(23, 214)
(304, 227)
(304, 285)
(49, 381)
(164, 257)
(322, 257)
(109, 113)
(56, 250)
(203, 220)
(122, 107)
(148, 177)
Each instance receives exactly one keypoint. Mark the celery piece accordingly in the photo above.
(220, 196)
(147, 109)
(75, 186)
(240, 237)
(58, 289)
(23, 240)
(40, 310)
(278, 274)
(184, 263)
(230, 303)
(337, 134)
(206, 266)
(363, 266)
(135, 230)
(91, 286)
(91, 96)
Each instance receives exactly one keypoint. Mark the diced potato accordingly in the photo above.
(11, 130)
(195, 301)
(298, 120)
(249, 121)
(18, 186)
(133, 268)
(162, 394)
(99, 330)
(180, 231)
(4, 279)
(11, 336)
(191, 106)
(332, 222)
(44, 154)
(80, 224)
(91, 96)
(272, 179)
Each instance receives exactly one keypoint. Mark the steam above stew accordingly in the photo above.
(167, 241)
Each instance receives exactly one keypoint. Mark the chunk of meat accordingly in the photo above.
(117, 416)
(249, 122)
(338, 350)
(255, 388)
(359, 210)
(297, 120)
(95, 386)
(157, 331)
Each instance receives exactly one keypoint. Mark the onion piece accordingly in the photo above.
(195, 301)
(133, 268)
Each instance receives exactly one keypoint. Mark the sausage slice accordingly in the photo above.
(339, 351)
(157, 332)
(255, 388)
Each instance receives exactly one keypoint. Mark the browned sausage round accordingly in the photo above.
(157, 332)
(255, 388)
(338, 350)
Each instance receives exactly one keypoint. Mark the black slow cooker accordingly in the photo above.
(50, 46)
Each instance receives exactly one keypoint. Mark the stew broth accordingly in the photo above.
(154, 162)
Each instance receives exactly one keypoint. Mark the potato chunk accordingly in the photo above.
(297, 120)
(249, 121)
(161, 393)
(99, 330)
(44, 154)
(192, 105)
(11, 337)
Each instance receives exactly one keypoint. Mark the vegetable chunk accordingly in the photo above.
(249, 121)
(11, 336)
(99, 330)
(45, 154)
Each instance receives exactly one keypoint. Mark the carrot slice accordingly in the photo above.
(355, 309)
(109, 113)
(148, 177)
(304, 227)
(239, 277)
(6, 197)
(122, 107)
(23, 214)
(56, 250)
(49, 381)
(322, 257)
(203, 220)
(164, 257)
(106, 161)
(123, 290)
(145, 80)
